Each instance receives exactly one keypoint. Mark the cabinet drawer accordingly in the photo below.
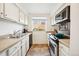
(19, 44)
(3, 53)
(12, 49)
(63, 53)
(63, 49)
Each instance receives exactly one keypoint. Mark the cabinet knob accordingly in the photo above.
(5, 14)
(1, 12)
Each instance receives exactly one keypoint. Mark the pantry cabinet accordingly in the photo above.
(11, 11)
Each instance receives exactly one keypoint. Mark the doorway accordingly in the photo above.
(39, 27)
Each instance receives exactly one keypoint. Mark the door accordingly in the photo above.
(11, 11)
(39, 30)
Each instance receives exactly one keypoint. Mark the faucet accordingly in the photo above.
(17, 33)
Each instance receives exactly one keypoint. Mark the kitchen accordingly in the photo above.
(39, 29)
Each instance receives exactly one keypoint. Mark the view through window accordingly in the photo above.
(39, 23)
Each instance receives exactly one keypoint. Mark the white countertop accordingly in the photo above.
(9, 42)
(65, 42)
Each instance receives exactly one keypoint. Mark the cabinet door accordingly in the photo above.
(4, 53)
(27, 43)
(22, 16)
(15, 54)
(53, 20)
(12, 11)
(26, 20)
(23, 50)
(63, 50)
(1, 10)
(19, 52)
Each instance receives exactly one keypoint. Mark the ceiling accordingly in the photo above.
(38, 8)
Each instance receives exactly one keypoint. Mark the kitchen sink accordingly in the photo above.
(16, 36)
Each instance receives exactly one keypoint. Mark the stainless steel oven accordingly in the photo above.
(53, 46)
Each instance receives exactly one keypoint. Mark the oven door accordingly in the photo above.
(52, 48)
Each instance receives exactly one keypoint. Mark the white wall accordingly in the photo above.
(40, 15)
(7, 27)
(74, 41)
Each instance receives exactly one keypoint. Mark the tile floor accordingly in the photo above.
(39, 50)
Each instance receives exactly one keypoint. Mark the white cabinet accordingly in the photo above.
(53, 20)
(22, 17)
(23, 50)
(63, 50)
(18, 49)
(11, 11)
(27, 43)
(26, 20)
(4, 53)
(15, 49)
(1, 10)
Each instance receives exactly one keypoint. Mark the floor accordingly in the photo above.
(39, 50)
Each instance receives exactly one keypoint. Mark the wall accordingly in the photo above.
(7, 27)
(30, 21)
(74, 41)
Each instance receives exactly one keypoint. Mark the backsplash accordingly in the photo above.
(9, 27)
(65, 28)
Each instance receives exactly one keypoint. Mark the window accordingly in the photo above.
(39, 23)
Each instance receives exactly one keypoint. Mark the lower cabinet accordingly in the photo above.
(15, 50)
(63, 50)
(4, 53)
(23, 50)
(19, 49)
(25, 45)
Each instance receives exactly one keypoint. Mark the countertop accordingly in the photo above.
(65, 42)
(9, 42)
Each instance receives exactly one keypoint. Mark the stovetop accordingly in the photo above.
(54, 38)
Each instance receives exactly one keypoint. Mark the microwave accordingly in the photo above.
(63, 15)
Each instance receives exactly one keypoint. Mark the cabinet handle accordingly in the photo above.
(1, 12)
(5, 14)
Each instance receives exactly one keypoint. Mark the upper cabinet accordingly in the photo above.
(26, 20)
(11, 11)
(1, 10)
(22, 17)
(53, 20)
